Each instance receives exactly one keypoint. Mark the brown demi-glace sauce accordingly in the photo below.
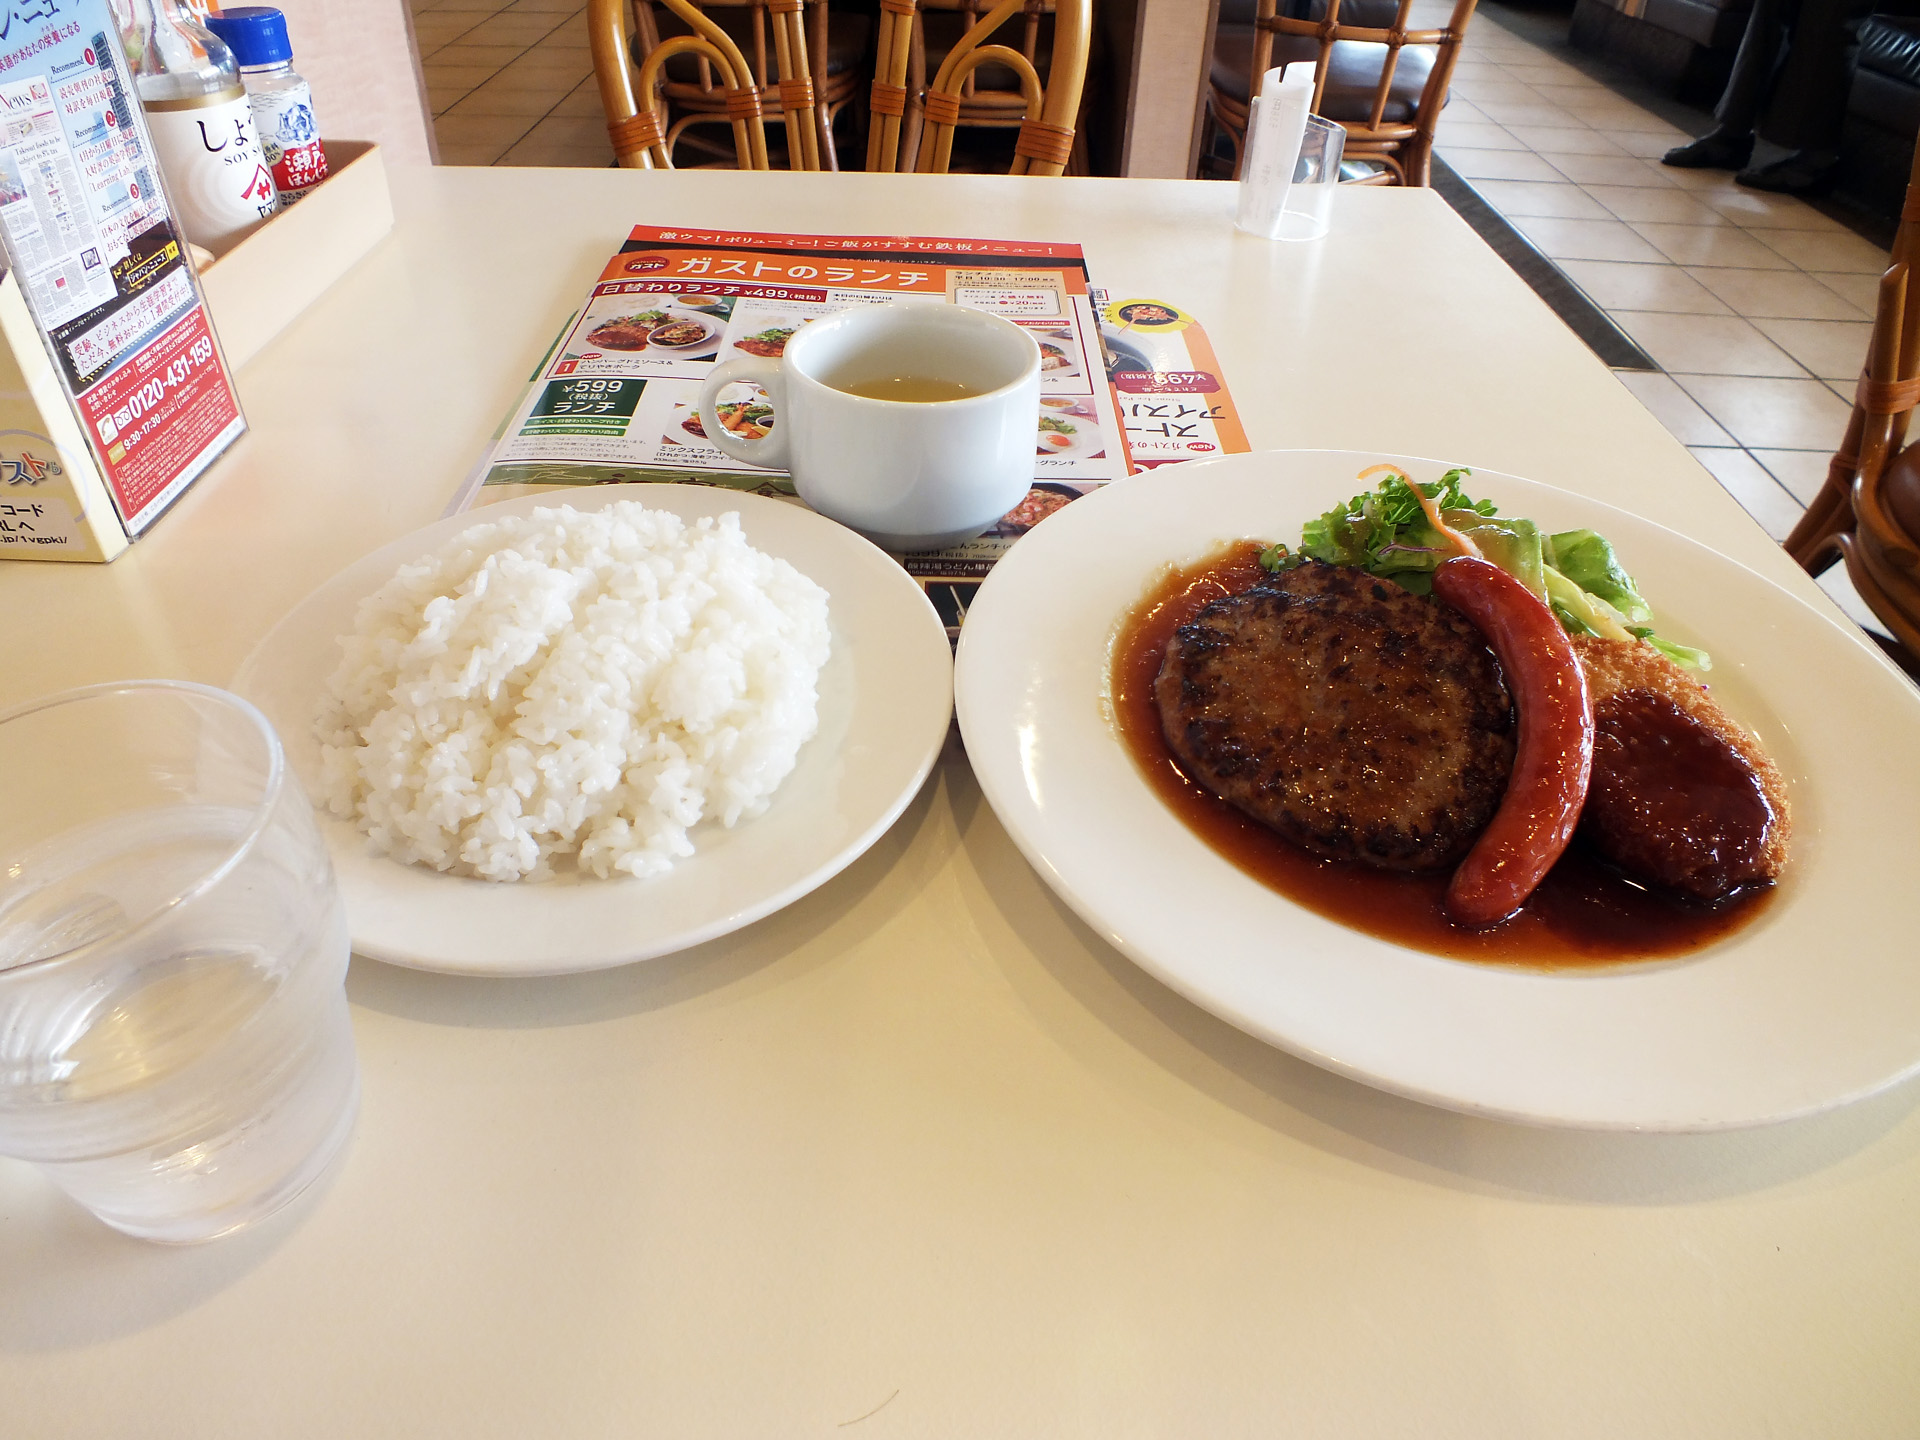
(1583, 914)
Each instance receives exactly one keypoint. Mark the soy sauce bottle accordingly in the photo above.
(203, 128)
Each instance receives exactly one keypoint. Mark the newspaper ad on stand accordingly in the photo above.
(101, 266)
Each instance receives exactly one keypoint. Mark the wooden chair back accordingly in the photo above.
(1867, 515)
(727, 86)
(1883, 402)
(991, 97)
(1384, 123)
(1881, 550)
(1047, 112)
(888, 105)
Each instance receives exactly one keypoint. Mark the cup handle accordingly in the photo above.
(770, 453)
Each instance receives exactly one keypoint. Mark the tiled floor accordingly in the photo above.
(511, 82)
(1756, 307)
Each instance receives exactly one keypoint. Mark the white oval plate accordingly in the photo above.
(886, 696)
(1085, 438)
(700, 349)
(1814, 1004)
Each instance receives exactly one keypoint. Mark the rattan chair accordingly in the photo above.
(1384, 83)
(1883, 402)
(694, 71)
(913, 129)
(992, 96)
(1881, 548)
(1868, 512)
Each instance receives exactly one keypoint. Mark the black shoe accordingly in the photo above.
(1804, 172)
(1718, 150)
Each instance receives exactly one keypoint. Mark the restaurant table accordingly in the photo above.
(921, 1155)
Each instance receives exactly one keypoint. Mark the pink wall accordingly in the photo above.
(364, 67)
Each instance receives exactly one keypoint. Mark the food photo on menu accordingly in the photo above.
(1069, 427)
(763, 334)
(655, 328)
(1058, 359)
(760, 328)
(744, 411)
(1044, 499)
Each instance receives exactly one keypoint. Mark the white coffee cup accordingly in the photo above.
(909, 474)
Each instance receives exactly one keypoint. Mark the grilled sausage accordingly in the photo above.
(1554, 757)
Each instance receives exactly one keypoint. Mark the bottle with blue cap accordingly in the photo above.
(202, 126)
(282, 102)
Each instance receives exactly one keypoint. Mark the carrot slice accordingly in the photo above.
(1461, 542)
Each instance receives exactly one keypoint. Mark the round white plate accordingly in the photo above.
(1070, 370)
(886, 695)
(1084, 440)
(759, 326)
(700, 349)
(582, 338)
(1815, 1003)
(1149, 349)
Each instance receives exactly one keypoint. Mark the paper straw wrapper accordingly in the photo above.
(1275, 125)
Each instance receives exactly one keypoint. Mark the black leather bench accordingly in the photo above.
(1684, 46)
(1883, 113)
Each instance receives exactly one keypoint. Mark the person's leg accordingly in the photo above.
(1763, 46)
(1810, 99)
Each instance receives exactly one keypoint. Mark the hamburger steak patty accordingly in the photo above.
(1360, 721)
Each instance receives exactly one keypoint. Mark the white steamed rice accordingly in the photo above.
(567, 683)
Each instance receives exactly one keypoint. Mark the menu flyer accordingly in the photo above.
(614, 399)
(1172, 406)
(113, 393)
(1173, 403)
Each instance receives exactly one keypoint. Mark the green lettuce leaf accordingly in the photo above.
(1685, 656)
(1588, 560)
(1386, 533)
(1593, 615)
(1515, 545)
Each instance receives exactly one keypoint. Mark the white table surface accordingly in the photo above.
(922, 1149)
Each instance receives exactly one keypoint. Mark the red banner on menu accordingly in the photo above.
(762, 242)
(158, 411)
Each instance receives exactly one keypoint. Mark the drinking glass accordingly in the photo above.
(175, 1049)
(1308, 208)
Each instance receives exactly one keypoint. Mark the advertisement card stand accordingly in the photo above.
(114, 394)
